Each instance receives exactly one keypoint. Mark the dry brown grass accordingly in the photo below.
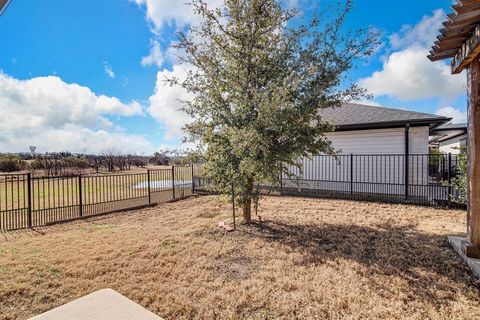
(310, 259)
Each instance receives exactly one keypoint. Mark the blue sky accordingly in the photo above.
(82, 75)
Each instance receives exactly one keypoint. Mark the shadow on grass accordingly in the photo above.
(425, 261)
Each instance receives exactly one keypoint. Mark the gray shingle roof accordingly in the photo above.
(452, 126)
(356, 115)
(448, 131)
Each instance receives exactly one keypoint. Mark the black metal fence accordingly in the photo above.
(28, 201)
(423, 179)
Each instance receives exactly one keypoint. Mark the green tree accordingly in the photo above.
(259, 77)
(460, 181)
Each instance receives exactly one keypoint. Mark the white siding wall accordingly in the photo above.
(418, 173)
(453, 145)
(372, 171)
(375, 141)
(419, 140)
(380, 141)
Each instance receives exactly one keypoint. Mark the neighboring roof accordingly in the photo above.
(359, 116)
(455, 35)
(448, 131)
(452, 126)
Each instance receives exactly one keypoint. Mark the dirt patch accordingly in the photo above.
(234, 268)
(309, 259)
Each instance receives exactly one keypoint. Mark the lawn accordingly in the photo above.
(310, 259)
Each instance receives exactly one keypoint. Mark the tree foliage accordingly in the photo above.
(460, 181)
(259, 78)
(11, 163)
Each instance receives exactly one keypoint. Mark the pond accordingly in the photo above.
(163, 184)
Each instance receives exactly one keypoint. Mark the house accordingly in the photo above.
(449, 138)
(364, 129)
(381, 152)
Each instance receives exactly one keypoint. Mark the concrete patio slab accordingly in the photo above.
(105, 304)
(473, 264)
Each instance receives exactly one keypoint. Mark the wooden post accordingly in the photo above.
(464, 23)
(472, 246)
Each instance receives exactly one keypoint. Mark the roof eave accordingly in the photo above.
(460, 36)
(432, 123)
(2, 4)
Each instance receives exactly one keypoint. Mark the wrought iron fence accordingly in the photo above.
(29, 201)
(423, 179)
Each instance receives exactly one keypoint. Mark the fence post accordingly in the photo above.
(29, 200)
(449, 179)
(407, 169)
(173, 182)
(351, 175)
(193, 182)
(148, 186)
(80, 195)
(407, 164)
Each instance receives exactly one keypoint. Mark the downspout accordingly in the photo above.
(407, 153)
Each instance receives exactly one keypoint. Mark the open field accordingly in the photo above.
(310, 259)
(54, 192)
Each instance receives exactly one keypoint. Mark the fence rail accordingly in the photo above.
(417, 179)
(28, 201)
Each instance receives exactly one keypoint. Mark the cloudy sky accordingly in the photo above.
(86, 76)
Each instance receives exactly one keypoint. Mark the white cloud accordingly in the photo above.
(457, 115)
(155, 57)
(161, 13)
(55, 116)
(422, 34)
(367, 102)
(108, 70)
(74, 138)
(407, 74)
(171, 12)
(291, 3)
(104, 123)
(165, 103)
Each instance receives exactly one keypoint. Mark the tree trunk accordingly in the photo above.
(247, 206)
(247, 211)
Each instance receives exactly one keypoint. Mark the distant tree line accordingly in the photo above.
(12, 163)
(66, 163)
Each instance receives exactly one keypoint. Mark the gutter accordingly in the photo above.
(393, 124)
